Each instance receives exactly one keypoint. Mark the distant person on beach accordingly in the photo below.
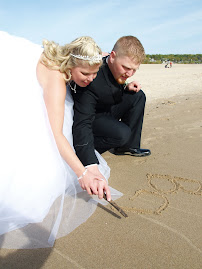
(114, 115)
(171, 64)
(167, 65)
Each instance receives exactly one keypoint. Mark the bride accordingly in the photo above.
(41, 178)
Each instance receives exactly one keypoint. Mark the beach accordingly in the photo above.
(162, 193)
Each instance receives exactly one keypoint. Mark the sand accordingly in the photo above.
(162, 192)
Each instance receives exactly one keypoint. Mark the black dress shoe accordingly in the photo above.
(132, 152)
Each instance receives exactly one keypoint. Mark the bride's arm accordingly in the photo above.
(54, 89)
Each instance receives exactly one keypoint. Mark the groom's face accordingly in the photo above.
(122, 67)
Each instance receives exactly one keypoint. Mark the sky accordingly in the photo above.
(162, 26)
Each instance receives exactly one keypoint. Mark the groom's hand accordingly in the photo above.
(134, 86)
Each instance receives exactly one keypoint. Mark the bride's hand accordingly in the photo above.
(95, 184)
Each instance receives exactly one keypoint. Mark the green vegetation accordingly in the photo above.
(175, 58)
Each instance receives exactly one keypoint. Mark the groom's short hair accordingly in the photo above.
(130, 46)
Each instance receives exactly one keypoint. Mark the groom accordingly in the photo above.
(108, 113)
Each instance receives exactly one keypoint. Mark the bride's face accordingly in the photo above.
(84, 75)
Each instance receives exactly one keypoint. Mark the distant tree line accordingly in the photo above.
(175, 58)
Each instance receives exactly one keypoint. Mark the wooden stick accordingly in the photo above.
(115, 206)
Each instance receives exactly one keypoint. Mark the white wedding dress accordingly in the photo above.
(40, 197)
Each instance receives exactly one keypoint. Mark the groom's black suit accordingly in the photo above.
(106, 116)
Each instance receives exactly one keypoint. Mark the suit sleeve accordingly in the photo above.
(84, 114)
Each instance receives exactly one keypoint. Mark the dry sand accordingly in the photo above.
(162, 192)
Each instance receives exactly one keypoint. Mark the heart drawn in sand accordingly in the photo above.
(152, 200)
(160, 184)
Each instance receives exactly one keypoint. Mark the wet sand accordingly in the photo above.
(162, 192)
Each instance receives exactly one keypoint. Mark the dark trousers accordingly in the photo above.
(122, 126)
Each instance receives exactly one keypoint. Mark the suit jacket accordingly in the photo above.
(97, 97)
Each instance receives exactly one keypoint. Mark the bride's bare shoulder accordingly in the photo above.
(47, 76)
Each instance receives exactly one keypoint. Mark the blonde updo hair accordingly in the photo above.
(130, 46)
(59, 58)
